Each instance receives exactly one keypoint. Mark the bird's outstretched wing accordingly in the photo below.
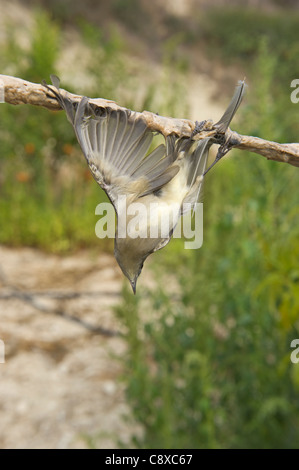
(116, 144)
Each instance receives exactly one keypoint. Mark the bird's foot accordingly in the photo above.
(222, 150)
(199, 126)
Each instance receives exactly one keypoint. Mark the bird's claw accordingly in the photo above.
(199, 126)
(222, 150)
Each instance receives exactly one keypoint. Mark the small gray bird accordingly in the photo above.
(115, 144)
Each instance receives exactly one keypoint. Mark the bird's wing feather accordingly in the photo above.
(116, 144)
(199, 157)
(147, 164)
(197, 161)
(232, 108)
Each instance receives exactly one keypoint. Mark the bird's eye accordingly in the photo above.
(157, 193)
(140, 269)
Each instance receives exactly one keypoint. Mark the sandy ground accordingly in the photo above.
(59, 384)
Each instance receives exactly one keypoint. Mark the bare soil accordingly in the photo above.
(59, 385)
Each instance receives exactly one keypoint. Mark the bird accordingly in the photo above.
(117, 145)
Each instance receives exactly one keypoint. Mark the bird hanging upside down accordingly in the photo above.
(115, 144)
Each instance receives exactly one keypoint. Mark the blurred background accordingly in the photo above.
(201, 356)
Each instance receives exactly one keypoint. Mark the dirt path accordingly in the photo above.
(59, 384)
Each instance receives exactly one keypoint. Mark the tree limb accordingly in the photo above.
(17, 91)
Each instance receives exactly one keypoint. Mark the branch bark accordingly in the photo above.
(17, 91)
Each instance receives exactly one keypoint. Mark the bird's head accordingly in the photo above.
(130, 262)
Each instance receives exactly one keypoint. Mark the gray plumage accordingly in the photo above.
(116, 145)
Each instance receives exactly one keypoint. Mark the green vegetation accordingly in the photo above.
(208, 361)
(47, 195)
(208, 364)
(238, 36)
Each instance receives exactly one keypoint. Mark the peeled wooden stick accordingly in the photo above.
(17, 91)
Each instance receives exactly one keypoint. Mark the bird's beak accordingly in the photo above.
(133, 284)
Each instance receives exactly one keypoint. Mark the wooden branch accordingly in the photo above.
(17, 91)
(287, 153)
